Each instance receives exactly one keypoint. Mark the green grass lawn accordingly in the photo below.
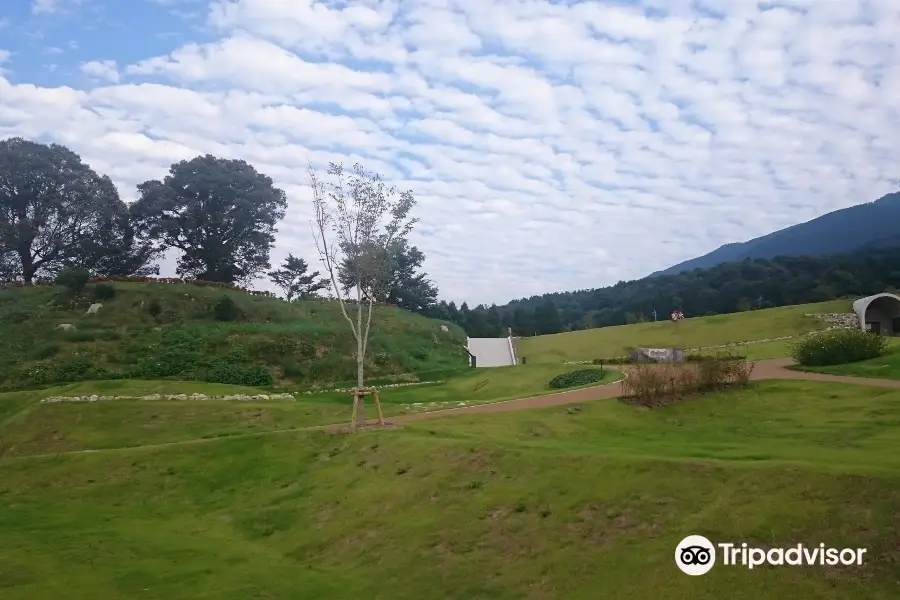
(476, 386)
(29, 427)
(690, 333)
(886, 366)
(468, 508)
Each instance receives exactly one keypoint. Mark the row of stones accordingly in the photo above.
(229, 397)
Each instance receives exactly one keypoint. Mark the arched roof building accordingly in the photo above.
(879, 313)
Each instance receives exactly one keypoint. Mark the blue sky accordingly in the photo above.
(551, 145)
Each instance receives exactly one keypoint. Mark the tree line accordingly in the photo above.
(57, 213)
(732, 287)
(221, 214)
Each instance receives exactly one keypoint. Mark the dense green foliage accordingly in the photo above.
(294, 280)
(837, 347)
(155, 331)
(55, 211)
(727, 288)
(574, 378)
(220, 213)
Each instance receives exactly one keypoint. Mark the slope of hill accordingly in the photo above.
(527, 505)
(154, 331)
(869, 225)
(606, 342)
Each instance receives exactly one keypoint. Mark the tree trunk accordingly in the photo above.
(27, 262)
(360, 382)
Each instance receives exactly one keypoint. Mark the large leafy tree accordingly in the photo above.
(358, 221)
(294, 280)
(52, 207)
(220, 213)
(400, 284)
(116, 250)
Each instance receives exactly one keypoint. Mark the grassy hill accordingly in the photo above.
(157, 331)
(606, 342)
(28, 426)
(470, 507)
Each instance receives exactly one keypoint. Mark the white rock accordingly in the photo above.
(94, 308)
(65, 326)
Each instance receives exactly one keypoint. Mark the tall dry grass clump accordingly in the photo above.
(658, 384)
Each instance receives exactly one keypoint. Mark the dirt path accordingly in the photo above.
(773, 368)
(764, 370)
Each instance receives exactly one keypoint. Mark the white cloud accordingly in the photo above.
(46, 7)
(101, 69)
(551, 145)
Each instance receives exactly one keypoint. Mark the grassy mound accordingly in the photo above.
(690, 333)
(473, 506)
(157, 331)
(28, 427)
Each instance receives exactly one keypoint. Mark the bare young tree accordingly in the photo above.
(358, 221)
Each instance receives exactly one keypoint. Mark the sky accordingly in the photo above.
(552, 145)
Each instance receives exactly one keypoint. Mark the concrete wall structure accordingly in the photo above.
(879, 313)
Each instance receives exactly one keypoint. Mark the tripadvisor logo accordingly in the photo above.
(696, 555)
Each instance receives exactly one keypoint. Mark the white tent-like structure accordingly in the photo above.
(879, 313)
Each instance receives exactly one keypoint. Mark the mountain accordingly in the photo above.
(871, 225)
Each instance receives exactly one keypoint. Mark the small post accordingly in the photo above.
(353, 416)
(378, 406)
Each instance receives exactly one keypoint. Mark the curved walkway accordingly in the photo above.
(773, 368)
(763, 370)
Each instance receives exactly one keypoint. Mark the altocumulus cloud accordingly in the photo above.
(552, 145)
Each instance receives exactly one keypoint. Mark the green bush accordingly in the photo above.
(73, 279)
(614, 360)
(77, 335)
(45, 350)
(225, 372)
(154, 308)
(837, 347)
(103, 291)
(292, 368)
(574, 378)
(226, 310)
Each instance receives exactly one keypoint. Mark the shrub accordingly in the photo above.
(103, 291)
(573, 378)
(73, 279)
(45, 350)
(224, 372)
(78, 335)
(614, 360)
(837, 347)
(658, 384)
(226, 309)
(154, 308)
(292, 368)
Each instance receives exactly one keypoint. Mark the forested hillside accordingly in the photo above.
(730, 287)
(865, 226)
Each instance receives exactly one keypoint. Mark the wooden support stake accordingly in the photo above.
(378, 406)
(355, 411)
